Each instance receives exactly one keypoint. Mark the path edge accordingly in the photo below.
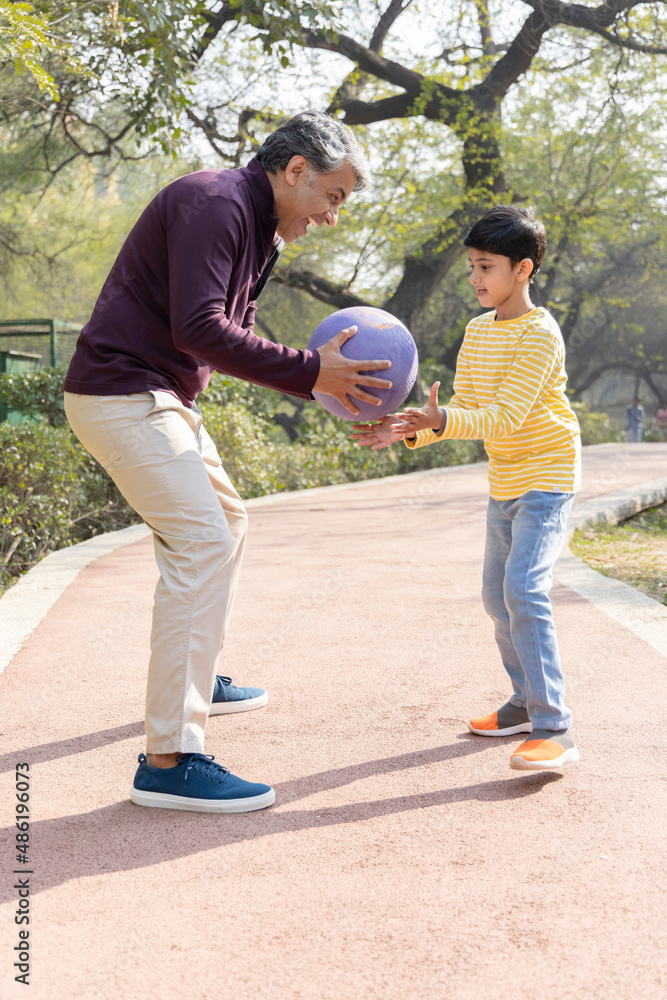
(632, 609)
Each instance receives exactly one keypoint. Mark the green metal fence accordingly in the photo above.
(29, 344)
(51, 339)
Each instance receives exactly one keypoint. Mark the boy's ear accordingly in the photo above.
(524, 269)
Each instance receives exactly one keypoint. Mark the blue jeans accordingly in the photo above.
(523, 540)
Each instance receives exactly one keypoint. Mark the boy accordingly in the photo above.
(509, 389)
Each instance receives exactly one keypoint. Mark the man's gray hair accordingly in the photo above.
(324, 142)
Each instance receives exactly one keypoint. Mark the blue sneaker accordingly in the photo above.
(227, 697)
(199, 784)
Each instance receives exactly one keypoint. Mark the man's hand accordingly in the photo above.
(379, 435)
(428, 417)
(339, 376)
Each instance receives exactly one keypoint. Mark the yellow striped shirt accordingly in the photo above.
(509, 389)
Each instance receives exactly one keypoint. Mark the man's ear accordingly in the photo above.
(296, 168)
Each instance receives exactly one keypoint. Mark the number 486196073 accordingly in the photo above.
(22, 812)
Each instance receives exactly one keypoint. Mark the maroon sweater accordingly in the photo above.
(178, 305)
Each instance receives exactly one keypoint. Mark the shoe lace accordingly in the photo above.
(227, 681)
(204, 764)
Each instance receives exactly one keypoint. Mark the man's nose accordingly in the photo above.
(331, 216)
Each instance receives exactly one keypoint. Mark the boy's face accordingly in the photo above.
(494, 278)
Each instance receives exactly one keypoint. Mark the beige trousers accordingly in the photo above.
(166, 466)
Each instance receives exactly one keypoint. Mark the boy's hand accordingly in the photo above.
(412, 419)
(379, 435)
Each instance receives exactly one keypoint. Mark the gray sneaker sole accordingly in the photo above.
(161, 800)
(231, 707)
(523, 727)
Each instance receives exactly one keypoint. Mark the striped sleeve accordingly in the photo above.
(463, 397)
(537, 355)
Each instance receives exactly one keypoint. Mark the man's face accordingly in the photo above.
(305, 198)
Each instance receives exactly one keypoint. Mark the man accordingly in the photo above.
(179, 303)
(634, 420)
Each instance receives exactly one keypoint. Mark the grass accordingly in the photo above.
(634, 551)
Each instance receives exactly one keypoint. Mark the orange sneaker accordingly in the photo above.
(545, 749)
(508, 720)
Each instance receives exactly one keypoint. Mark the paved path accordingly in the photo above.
(403, 858)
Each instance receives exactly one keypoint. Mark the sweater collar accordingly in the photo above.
(263, 200)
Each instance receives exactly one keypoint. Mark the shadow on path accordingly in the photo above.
(67, 748)
(124, 837)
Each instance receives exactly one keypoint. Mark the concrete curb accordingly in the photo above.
(619, 506)
(25, 604)
(629, 607)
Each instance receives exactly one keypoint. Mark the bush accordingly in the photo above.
(260, 462)
(251, 459)
(596, 428)
(650, 433)
(52, 494)
(38, 394)
(343, 460)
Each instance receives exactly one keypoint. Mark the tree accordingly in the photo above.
(461, 90)
(23, 36)
(580, 136)
(104, 81)
(433, 93)
(104, 71)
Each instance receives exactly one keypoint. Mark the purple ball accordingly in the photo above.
(379, 337)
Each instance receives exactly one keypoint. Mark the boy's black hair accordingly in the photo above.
(511, 232)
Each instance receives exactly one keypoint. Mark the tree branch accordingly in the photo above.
(352, 86)
(386, 22)
(210, 132)
(593, 376)
(515, 62)
(216, 22)
(363, 113)
(266, 329)
(547, 14)
(6, 559)
(319, 288)
(629, 43)
(595, 19)
(384, 69)
(655, 389)
(484, 24)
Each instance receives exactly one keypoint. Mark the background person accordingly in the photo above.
(178, 304)
(634, 420)
(661, 421)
